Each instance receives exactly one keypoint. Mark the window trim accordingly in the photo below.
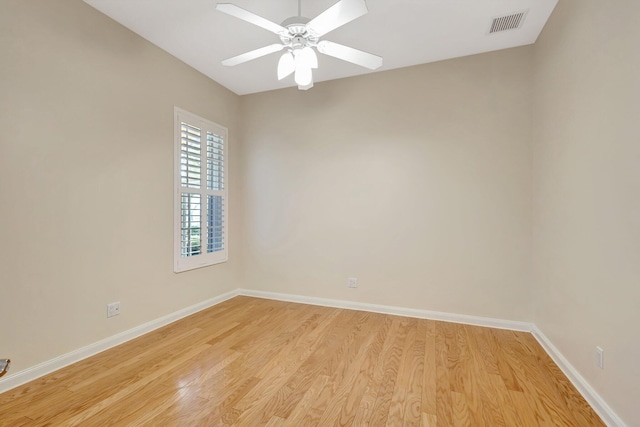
(181, 264)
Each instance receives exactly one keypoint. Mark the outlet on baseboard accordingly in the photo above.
(352, 282)
(599, 357)
(113, 309)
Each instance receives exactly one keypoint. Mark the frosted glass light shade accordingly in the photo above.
(308, 57)
(303, 76)
(286, 65)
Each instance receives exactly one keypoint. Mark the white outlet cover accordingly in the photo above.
(113, 309)
(352, 282)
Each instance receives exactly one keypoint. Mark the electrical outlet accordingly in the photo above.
(113, 309)
(352, 282)
(599, 357)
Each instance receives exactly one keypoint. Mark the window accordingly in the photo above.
(200, 203)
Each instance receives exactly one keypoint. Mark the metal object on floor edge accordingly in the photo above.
(4, 366)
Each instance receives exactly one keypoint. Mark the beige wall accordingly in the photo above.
(416, 181)
(86, 137)
(587, 193)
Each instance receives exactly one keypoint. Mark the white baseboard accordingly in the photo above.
(590, 395)
(598, 404)
(398, 311)
(34, 372)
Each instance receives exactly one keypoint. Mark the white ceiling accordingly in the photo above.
(403, 32)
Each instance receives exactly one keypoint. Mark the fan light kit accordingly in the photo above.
(299, 35)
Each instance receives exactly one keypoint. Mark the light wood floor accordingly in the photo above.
(254, 362)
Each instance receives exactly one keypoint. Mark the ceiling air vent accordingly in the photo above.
(507, 22)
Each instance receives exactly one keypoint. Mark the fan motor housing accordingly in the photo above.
(297, 37)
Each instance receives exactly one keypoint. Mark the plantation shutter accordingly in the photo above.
(201, 195)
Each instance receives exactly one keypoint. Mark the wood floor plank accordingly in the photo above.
(398, 399)
(503, 400)
(455, 357)
(133, 411)
(133, 389)
(352, 353)
(548, 404)
(21, 422)
(505, 370)
(296, 386)
(483, 405)
(529, 417)
(297, 415)
(256, 362)
(428, 401)
(275, 422)
(578, 407)
(486, 353)
(366, 370)
(56, 403)
(310, 332)
(262, 402)
(365, 409)
(461, 414)
(380, 410)
(444, 403)
(413, 399)
(469, 373)
(221, 404)
(428, 420)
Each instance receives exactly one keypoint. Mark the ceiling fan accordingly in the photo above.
(299, 35)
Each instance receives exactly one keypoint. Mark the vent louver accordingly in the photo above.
(507, 22)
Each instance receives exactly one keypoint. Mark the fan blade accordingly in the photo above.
(252, 55)
(350, 54)
(245, 15)
(336, 16)
(286, 65)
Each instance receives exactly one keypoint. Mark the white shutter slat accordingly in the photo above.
(190, 242)
(215, 223)
(215, 162)
(190, 156)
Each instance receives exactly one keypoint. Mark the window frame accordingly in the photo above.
(203, 259)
